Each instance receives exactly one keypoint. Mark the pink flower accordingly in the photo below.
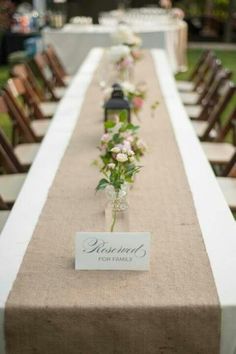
(136, 54)
(126, 62)
(126, 145)
(137, 102)
(105, 138)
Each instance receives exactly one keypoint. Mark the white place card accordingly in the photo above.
(112, 251)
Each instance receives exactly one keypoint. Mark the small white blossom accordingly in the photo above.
(118, 53)
(131, 158)
(111, 166)
(122, 157)
(128, 87)
(115, 149)
(130, 153)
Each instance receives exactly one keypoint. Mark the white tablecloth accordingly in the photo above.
(73, 42)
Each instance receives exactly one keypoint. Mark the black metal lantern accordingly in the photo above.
(116, 104)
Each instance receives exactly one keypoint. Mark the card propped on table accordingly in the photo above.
(112, 251)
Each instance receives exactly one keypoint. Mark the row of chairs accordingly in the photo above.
(209, 97)
(30, 98)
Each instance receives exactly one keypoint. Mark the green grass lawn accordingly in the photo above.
(5, 122)
(227, 57)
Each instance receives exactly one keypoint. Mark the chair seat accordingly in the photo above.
(48, 108)
(218, 153)
(193, 111)
(3, 218)
(59, 91)
(228, 187)
(67, 79)
(185, 86)
(10, 186)
(40, 127)
(189, 98)
(200, 128)
(26, 153)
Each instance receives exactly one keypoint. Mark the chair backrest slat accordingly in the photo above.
(51, 53)
(199, 64)
(219, 108)
(210, 99)
(202, 73)
(21, 123)
(8, 158)
(3, 106)
(55, 66)
(229, 126)
(46, 74)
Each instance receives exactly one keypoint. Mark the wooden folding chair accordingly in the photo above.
(201, 111)
(219, 152)
(56, 66)
(211, 129)
(22, 113)
(48, 77)
(18, 158)
(197, 74)
(44, 107)
(194, 98)
(11, 183)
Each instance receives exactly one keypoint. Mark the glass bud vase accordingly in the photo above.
(116, 212)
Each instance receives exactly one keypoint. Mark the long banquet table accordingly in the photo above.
(80, 39)
(186, 303)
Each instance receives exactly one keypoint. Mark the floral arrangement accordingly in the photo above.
(135, 94)
(119, 54)
(121, 57)
(120, 150)
(124, 35)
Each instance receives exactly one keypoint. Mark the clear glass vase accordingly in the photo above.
(117, 209)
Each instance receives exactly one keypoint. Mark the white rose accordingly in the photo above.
(115, 149)
(118, 52)
(122, 157)
(128, 87)
(122, 34)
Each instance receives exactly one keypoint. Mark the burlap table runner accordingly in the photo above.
(173, 308)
